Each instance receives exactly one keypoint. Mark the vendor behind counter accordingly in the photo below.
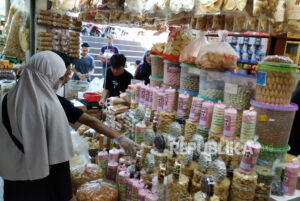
(117, 78)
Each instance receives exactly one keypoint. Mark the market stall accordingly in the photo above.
(209, 129)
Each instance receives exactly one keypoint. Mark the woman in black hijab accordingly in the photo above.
(143, 71)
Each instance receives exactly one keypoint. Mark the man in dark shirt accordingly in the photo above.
(76, 115)
(117, 78)
(295, 133)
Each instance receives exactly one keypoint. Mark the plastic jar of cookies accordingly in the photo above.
(264, 181)
(239, 90)
(274, 123)
(157, 66)
(243, 186)
(275, 83)
(268, 155)
(172, 73)
(189, 77)
(211, 85)
(156, 81)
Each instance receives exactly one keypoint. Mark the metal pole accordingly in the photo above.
(32, 27)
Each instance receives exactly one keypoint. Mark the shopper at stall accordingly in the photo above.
(84, 67)
(295, 137)
(117, 78)
(35, 141)
(143, 71)
(106, 52)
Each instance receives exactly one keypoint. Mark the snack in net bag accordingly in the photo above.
(190, 52)
(218, 56)
(178, 6)
(293, 16)
(208, 7)
(234, 5)
(84, 173)
(178, 39)
(98, 190)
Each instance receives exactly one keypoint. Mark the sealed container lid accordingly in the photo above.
(278, 150)
(241, 75)
(156, 78)
(154, 55)
(278, 67)
(278, 59)
(188, 65)
(188, 92)
(290, 108)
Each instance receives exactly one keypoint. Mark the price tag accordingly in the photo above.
(231, 88)
(262, 117)
(261, 78)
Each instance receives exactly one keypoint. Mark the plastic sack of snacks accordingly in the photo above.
(293, 16)
(218, 56)
(84, 173)
(252, 24)
(190, 52)
(13, 45)
(243, 186)
(200, 197)
(135, 7)
(264, 25)
(229, 22)
(13, 9)
(178, 39)
(265, 8)
(178, 6)
(208, 7)
(218, 22)
(98, 190)
(81, 153)
(175, 187)
(234, 5)
(240, 23)
(158, 48)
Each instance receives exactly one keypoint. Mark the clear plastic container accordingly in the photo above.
(274, 123)
(75, 86)
(211, 85)
(156, 81)
(172, 73)
(275, 83)
(268, 155)
(189, 77)
(239, 90)
(264, 181)
(5, 86)
(157, 66)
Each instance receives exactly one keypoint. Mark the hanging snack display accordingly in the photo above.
(243, 186)
(210, 7)
(177, 40)
(189, 78)
(211, 85)
(239, 90)
(274, 123)
(265, 8)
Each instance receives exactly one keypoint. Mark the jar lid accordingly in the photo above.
(156, 78)
(195, 93)
(188, 65)
(241, 75)
(272, 149)
(154, 55)
(207, 186)
(290, 108)
(278, 67)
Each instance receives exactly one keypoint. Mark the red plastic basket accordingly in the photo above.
(92, 97)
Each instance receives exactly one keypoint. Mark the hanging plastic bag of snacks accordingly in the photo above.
(190, 52)
(263, 25)
(240, 23)
(265, 8)
(208, 7)
(229, 22)
(218, 22)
